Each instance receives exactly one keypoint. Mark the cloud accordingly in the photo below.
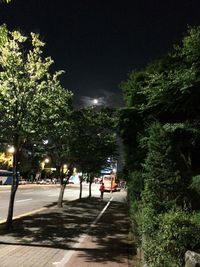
(105, 98)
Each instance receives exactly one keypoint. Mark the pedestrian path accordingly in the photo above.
(69, 237)
(107, 242)
(29, 256)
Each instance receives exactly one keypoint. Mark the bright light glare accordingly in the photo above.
(95, 101)
(46, 160)
(11, 149)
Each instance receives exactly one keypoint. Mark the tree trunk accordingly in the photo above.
(15, 183)
(60, 198)
(90, 184)
(63, 184)
(81, 188)
(62, 187)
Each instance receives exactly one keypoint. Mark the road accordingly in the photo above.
(31, 198)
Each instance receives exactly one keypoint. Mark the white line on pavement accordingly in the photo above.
(23, 200)
(101, 213)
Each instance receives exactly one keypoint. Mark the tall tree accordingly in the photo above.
(166, 91)
(57, 125)
(93, 140)
(25, 82)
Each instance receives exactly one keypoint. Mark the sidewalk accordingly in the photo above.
(107, 242)
(69, 237)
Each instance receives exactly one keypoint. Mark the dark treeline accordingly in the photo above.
(160, 127)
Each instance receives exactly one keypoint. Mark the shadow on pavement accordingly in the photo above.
(61, 228)
(111, 237)
(53, 227)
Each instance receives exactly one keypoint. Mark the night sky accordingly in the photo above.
(98, 42)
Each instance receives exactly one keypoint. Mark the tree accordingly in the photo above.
(58, 123)
(169, 87)
(167, 90)
(165, 95)
(93, 140)
(53, 113)
(25, 83)
(5, 1)
(162, 180)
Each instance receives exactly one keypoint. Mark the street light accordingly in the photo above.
(11, 150)
(46, 160)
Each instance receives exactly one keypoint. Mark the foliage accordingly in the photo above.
(130, 126)
(53, 114)
(5, 160)
(169, 86)
(177, 232)
(195, 185)
(5, 1)
(161, 178)
(30, 95)
(161, 139)
(92, 138)
(22, 76)
(135, 185)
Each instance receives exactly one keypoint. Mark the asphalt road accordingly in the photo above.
(33, 198)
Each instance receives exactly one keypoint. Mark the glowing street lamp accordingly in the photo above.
(46, 160)
(64, 168)
(11, 150)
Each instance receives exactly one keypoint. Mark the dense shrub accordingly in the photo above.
(135, 185)
(195, 185)
(178, 231)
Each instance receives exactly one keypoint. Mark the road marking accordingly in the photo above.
(101, 213)
(53, 195)
(23, 200)
(70, 253)
(6, 191)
